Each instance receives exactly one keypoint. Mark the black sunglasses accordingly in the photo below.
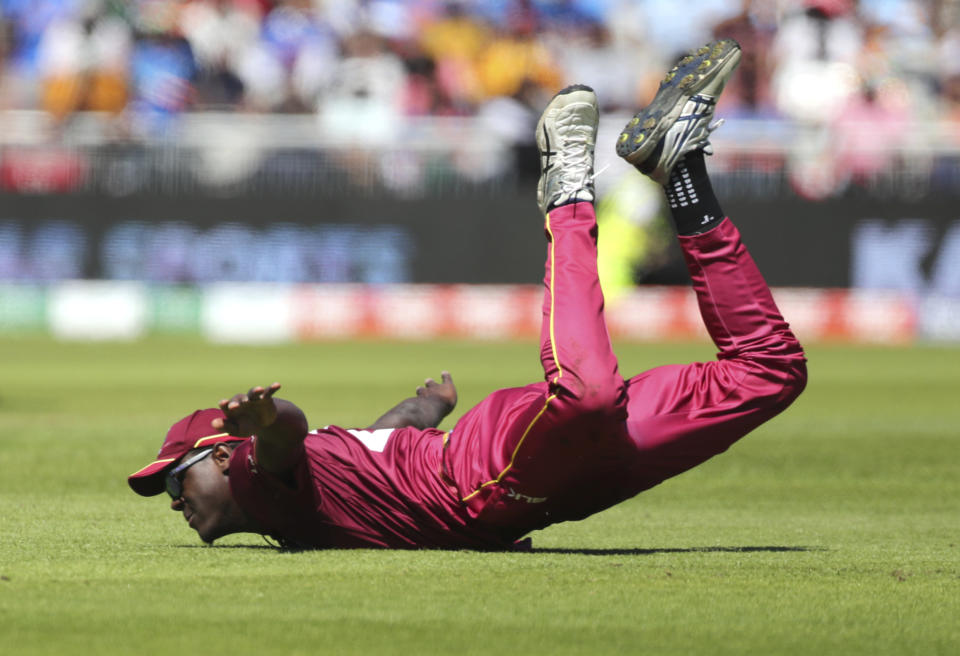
(174, 480)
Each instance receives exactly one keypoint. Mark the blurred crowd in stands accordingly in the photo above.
(356, 60)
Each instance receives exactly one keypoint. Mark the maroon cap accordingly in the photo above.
(191, 432)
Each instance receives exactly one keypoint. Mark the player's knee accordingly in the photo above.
(596, 397)
(792, 379)
(796, 379)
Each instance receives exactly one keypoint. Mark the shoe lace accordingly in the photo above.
(573, 158)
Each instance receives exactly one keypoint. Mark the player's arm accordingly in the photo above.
(280, 426)
(433, 402)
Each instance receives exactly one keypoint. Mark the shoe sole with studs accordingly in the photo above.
(689, 77)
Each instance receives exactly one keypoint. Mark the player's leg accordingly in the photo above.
(575, 348)
(683, 415)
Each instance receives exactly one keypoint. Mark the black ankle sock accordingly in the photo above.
(693, 205)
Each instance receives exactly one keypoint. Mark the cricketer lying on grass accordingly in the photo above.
(527, 457)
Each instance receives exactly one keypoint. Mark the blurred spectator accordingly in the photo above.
(82, 64)
(748, 92)
(163, 72)
(423, 94)
(162, 68)
(362, 97)
(220, 33)
(61, 55)
(454, 42)
(871, 129)
(815, 53)
(110, 43)
(515, 56)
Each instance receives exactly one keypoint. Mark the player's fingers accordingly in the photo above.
(225, 403)
(217, 423)
(237, 401)
(270, 391)
(429, 382)
(446, 377)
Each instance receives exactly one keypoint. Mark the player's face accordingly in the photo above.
(205, 500)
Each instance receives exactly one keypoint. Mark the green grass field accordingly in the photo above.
(834, 529)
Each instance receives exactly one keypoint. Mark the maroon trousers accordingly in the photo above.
(586, 438)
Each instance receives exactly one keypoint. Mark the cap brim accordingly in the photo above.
(148, 481)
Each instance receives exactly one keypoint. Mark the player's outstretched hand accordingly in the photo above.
(246, 414)
(444, 392)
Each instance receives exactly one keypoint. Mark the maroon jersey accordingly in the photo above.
(357, 488)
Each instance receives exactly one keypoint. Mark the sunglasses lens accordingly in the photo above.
(174, 489)
(174, 479)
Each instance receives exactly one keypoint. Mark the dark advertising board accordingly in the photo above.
(856, 240)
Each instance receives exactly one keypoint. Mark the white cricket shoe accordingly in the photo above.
(678, 121)
(566, 136)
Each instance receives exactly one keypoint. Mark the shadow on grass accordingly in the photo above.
(268, 547)
(669, 550)
(552, 550)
